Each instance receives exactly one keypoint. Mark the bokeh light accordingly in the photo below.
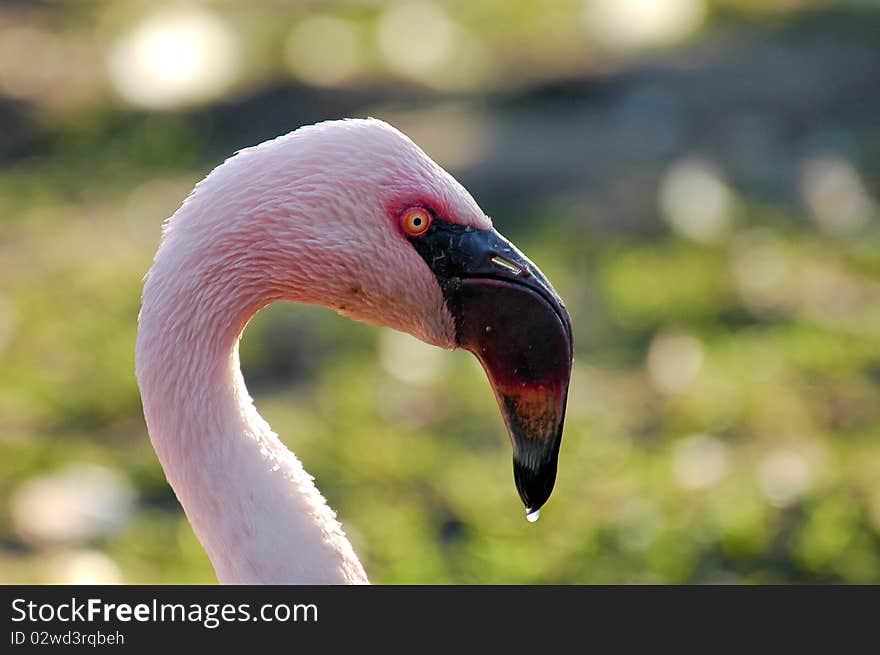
(628, 25)
(37, 76)
(416, 38)
(784, 475)
(410, 360)
(83, 567)
(674, 361)
(762, 271)
(174, 57)
(699, 461)
(696, 201)
(75, 505)
(836, 195)
(419, 41)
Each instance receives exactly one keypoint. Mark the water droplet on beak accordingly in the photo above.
(533, 516)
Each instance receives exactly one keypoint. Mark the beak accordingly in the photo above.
(511, 318)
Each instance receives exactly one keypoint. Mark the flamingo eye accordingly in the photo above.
(415, 221)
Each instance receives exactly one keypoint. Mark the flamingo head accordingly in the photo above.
(400, 243)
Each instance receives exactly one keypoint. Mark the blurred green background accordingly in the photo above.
(699, 178)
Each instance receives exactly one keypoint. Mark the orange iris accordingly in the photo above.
(415, 221)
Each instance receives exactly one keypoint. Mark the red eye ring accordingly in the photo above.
(415, 221)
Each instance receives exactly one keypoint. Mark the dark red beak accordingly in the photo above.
(511, 318)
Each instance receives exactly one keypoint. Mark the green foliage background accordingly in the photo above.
(783, 410)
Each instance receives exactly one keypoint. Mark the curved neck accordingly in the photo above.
(251, 504)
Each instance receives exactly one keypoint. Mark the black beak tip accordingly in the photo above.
(534, 482)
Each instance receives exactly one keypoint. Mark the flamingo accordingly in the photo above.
(350, 215)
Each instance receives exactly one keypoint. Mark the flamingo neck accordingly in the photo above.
(253, 507)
